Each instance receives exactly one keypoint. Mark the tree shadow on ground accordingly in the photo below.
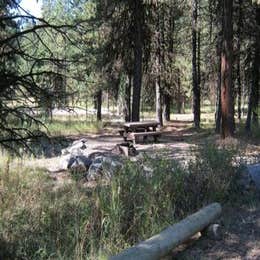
(48, 147)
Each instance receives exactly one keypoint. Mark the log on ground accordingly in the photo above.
(162, 243)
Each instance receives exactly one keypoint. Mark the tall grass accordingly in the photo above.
(41, 221)
(77, 125)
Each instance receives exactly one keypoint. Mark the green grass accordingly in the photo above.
(64, 125)
(41, 221)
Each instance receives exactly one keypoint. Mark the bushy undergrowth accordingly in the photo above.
(39, 221)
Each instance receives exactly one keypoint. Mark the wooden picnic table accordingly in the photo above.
(134, 130)
(135, 126)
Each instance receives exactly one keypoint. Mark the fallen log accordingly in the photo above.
(162, 243)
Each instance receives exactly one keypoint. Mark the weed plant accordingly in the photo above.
(39, 220)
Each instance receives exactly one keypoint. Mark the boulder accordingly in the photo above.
(96, 155)
(103, 167)
(79, 163)
(64, 161)
(76, 148)
(94, 172)
(96, 165)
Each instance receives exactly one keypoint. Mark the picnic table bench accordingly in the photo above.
(134, 130)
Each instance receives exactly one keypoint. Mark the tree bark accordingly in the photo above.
(158, 101)
(227, 99)
(218, 90)
(239, 92)
(255, 76)
(167, 107)
(138, 57)
(219, 25)
(254, 85)
(86, 106)
(128, 88)
(108, 105)
(99, 104)
(158, 67)
(195, 87)
(179, 94)
(249, 109)
(198, 78)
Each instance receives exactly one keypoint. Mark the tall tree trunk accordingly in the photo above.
(239, 89)
(195, 87)
(249, 109)
(256, 66)
(108, 105)
(158, 90)
(127, 109)
(159, 62)
(198, 77)
(138, 57)
(239, 92)
(179, 94)
(86, 106)
(219, 25)
(218, 89)
(158, 101)
(166, 107)
(227, 99)
(218, 105)
(99, 104)
(252, 113)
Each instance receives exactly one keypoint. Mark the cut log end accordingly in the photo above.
(214, 232)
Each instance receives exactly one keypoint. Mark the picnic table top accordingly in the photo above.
(141, 124)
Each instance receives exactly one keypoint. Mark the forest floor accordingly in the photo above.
(241, 239)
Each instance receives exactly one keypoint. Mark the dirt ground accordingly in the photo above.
(240, 239)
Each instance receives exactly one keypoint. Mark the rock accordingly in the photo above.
(80, 162)
(64, 151)
(98, 160)
(126, 149)
(249, 176)
(214, 232)
(95, 165)
(81, 142)
(76, 147)
(64, 161)
(95, 155)
(94, 172)
(103, 167)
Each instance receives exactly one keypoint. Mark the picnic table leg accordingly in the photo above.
(125, 133)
